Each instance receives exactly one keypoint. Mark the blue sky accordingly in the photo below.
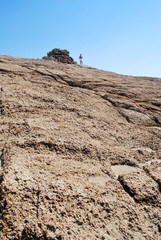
(122, 36)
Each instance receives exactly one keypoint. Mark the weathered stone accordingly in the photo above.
(63, 143)
(154, 171)
(140, 186)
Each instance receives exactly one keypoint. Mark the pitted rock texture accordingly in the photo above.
(154, 171)
(145, 190)
(80, 153)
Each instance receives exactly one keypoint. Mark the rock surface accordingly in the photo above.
(80, 153)
(145, 190)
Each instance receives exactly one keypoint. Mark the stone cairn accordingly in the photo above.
(60, 56)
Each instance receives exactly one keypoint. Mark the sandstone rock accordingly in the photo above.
(140, 186)
(154, 170)
(64, 146)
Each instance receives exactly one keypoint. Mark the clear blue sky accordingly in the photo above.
(122, 36)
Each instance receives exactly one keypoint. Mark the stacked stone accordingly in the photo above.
(60, 56)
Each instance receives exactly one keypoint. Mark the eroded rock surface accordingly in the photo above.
(140, 186)
(80, 153)
(154, 170)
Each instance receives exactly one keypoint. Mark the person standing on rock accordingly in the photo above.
(80, 58)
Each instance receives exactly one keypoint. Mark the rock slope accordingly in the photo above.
(80, 153)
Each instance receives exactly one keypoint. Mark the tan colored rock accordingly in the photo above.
(140, 186)
(65, 142)
(154, 171)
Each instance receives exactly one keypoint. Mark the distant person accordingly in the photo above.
(80, 58)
